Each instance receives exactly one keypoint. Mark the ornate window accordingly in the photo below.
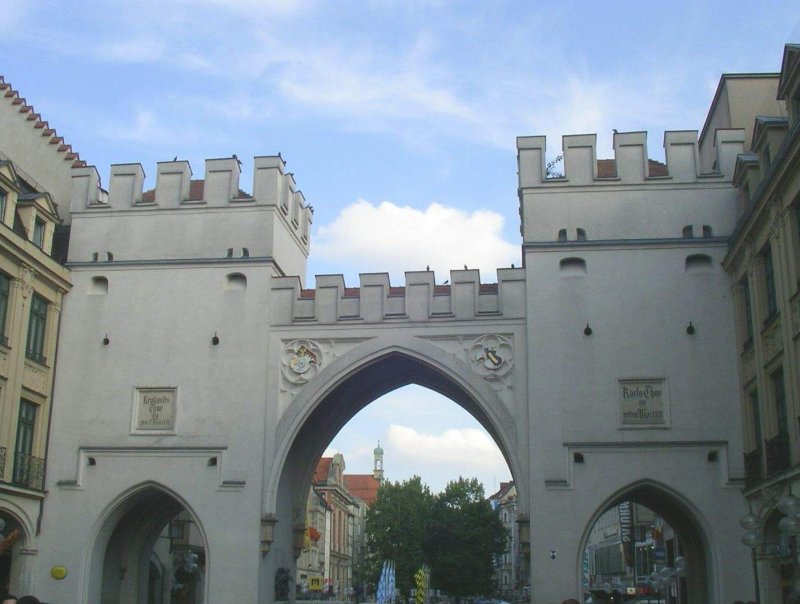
(38, 233)
(26, 426)
(769, 283)
(37, 324)
(5, 283)
(748, 309)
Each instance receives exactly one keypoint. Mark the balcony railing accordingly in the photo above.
(2, 462)
(37, 357)
(28, 471)
(752, 467)
(777, 452)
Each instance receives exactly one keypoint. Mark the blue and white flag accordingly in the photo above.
(380, 597)
(386, 584)
(391, 589)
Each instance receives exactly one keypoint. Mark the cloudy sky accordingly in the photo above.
(398, 119)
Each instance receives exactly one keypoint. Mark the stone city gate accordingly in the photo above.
(184, 295)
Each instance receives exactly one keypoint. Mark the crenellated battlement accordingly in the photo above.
(631, 164)
(175, 188)
(376, 300)
(181, 218)
(628, 197)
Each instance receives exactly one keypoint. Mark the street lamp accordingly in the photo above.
(789, 529)
(752, 538)
(663, 578)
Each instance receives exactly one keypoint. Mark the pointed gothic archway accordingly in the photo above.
(679, 514)
(351, 382)
(149, 548)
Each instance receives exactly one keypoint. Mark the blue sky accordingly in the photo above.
(398, 118)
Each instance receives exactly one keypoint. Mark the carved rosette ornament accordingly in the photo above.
(491, 357)
(301, 361)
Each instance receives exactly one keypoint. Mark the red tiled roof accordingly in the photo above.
(321, 473)
(607, 168)
(197, 189)
(504, 488)
(656, 168)
(363, 486)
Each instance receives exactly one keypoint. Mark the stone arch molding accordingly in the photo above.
(113, 513)
(668, 497)
(483, 401)
(23, 519)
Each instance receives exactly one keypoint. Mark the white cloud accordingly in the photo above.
(391, 238)
(467, 448)
(422, 433)
(146, 128)
(134, 49)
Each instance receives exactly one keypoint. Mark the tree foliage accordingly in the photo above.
(396, 527)
(465, 535)
(455, 532)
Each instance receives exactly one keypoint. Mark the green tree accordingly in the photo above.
(465, 534)
(396, 529)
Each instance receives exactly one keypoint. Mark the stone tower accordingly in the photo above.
(377, 470)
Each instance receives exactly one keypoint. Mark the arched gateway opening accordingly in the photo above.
(13, 539)
(150, 549)
(315, 417)
(646, 543)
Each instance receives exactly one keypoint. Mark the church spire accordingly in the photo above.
(377, 470)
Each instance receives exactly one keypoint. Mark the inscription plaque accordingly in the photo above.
(154, 410)
(643, 403)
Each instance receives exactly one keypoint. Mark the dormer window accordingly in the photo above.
(38, 233)
(3, 201)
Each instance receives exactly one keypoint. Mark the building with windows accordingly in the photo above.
(510, 567)
(764, 264)
(32, 285)
(331, 556)
(339, 531)
(311, 570)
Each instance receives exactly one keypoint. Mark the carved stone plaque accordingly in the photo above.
(491, 357)
(643, 403)
(154, 410)
(300, 361)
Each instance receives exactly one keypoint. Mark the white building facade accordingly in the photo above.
(199, 378)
